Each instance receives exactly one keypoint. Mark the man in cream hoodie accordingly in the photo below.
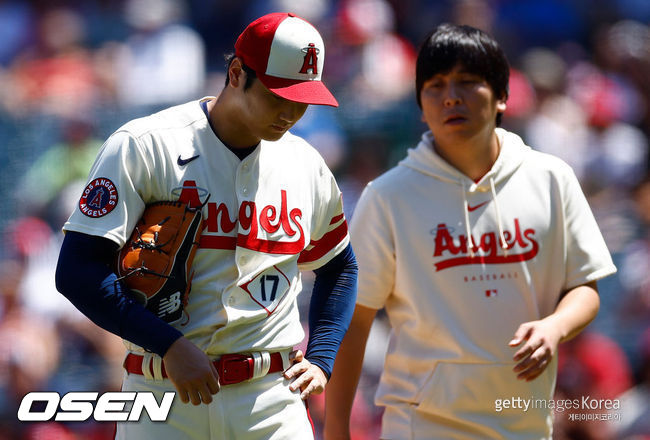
(484, 254)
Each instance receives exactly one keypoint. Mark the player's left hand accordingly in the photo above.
(540, 340)
(309, 378)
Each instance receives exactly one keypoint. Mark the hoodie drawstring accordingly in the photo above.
(470, 244)
(502, 238)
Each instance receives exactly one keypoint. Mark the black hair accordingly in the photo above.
(448, 45)
(250, 73)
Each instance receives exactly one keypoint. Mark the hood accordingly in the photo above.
(425, 160)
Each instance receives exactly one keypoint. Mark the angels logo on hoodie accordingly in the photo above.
(521, 246)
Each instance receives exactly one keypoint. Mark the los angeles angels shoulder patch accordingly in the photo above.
(99, 198)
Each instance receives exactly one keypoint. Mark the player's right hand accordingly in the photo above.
(193, 374)
(307, 377)
(537, 342)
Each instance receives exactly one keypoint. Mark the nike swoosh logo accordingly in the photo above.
(474, 208)
(182, 162)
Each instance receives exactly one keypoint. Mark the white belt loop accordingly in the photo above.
(261, 363)
(146, 366)
(285, 359)
(157, 368)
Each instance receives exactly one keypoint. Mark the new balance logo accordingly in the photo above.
(169, 305)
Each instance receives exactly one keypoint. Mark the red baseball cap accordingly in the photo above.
(287, 54)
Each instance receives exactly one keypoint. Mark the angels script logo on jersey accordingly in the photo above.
(522, 246)
(251, 218)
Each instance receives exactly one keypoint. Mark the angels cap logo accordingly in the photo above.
(98, 198)
(287, 54)
(310, 63)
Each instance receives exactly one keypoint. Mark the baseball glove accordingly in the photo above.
(156, 262)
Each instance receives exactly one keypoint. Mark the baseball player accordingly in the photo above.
(271, 208)
(484, 254)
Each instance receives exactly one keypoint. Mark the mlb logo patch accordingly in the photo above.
(491, 292)
(99, 198)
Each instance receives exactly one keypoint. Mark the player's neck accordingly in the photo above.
(473, 157)
(227, 126)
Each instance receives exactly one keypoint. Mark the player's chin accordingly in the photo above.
(274, 135)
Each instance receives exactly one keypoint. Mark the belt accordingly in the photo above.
(232, 368)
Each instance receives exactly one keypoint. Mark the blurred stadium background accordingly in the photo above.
(72, 72)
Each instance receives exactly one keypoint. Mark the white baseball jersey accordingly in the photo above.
(454, 308)
(267, 217)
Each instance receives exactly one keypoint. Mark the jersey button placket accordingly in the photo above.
(242, 179)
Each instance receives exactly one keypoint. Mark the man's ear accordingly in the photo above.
(501, 105)
(236, 73)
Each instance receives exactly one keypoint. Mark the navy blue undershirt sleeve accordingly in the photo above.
(330, 311)
(85, 276)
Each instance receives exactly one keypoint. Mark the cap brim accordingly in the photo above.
(306, 92)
